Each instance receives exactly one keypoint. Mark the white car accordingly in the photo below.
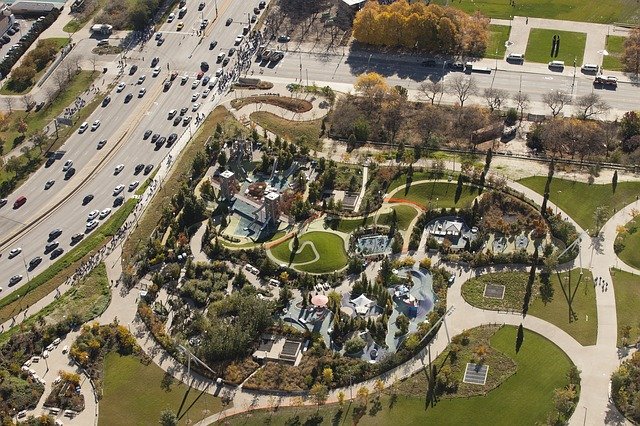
(45, 354)
(56, 341)
(219, 72)
(121, 86)
(172, 114)
(195, 106)
(67, 165)
(142, 92)
(83, 127)
(156, 71)
(195, 96)
(104, 213)
(171, 17)
(49, 184)
(118, 169)
(65, 349)
(118, 189)
(92, 215)
(206, 93)
(238, 39)
(141, 79)
(14, 252)
(91, 225)
(195, 84)
(95, 125)
(133, 185)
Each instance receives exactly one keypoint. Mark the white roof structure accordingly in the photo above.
(227, 174)
(362, 304)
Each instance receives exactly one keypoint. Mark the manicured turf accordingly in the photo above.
(405, 215)
(350, 225)
(304, 254)
(579, 200)
(615, 47)
(401, 180)
(525, 398)
(436, 195)
(570, 10)
(583, 327)
(291, 130)
(134, 395)
(571, 46)
(627, 290)
(330, 248)
(630, 254)
(498, 36)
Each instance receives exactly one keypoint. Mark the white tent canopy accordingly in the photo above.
(362, 304)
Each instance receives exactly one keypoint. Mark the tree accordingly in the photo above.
(631, 54)
(600, 216)
(564, 400)
(522, 101)
(432, 89)
(23, 75)
(327, 376)
(341, 397)
(591, 104)
(371, 85)
(27, 100)
(495, 97)
(614, 181)
(402, 322)
(463, 87)
(363, 395)
(222, 159)
(555, 100)
(8, 102)
(168, 418)
(21, 126)
(319, 393)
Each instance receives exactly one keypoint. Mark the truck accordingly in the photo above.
(606, 80)
(102, 29)
(470, 67)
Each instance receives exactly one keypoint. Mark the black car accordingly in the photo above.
(34, 262)
(204, 66)
(87, 199)
(160, 41)
(128, 98)
(133, 69)
(155, 61)
(262, 4)
(57, 252)
(106, 101)
(49, 162)
(256, 11)
(118, 200)
(155, 137)
(201, 5)
(102, 143)
(172, 138)
(229, 21)
(284, 39)
(69, 173)
(138, 169)
(54, 234)
(76, 237)
(232, 51)
(213, 45)
(225, 62)
(177, 120)
(50, 246)
(183, 110)
(148, 169)
(161, 141)
(147, 134)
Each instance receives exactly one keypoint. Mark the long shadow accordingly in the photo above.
(180, 414)
(569, 294)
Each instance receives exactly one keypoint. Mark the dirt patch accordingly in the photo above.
(290, 104)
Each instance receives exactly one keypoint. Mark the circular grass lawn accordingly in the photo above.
(329, 254)
(630, 241)
(436, 195)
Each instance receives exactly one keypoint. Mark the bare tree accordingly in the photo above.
(432, 89)
(495, 97)
(8, 102)
(555, 100)
(38, 138)
(51, 92)
(591, 104)
(94, 60)
(27, 100)
(463, 87)
(522, 101)
(631, 54)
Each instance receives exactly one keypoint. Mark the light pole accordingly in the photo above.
(369, 61)
(216, 4)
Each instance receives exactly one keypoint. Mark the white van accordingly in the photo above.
(515, 57)
(221, 56)
(590, 68)
(556, 64)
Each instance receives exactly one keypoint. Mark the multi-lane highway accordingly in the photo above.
(123, 125)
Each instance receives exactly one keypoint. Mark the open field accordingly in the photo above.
(570, 10)
(579, 200)
(615, 47)
(524, 398)
(630, 254)
(626, 287)
(436, 195)
(291, 104)
(498, 36)
(135, 394)
(301, 132)
(330, 248)
(571, 46)
(405, 215)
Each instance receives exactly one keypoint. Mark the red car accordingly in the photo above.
(19, 202)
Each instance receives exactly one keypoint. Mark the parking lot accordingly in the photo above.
(23, 28)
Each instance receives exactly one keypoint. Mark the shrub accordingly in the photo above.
(354, 345)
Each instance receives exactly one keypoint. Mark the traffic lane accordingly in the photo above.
(71, 217)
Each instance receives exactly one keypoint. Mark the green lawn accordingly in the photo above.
(525, 398)
(350, 225)
(498, 36)
(304, 254)
(330, 247)
(615, 47)
(630, 240)
(301, 132)
(579, 200)
(571, 46)
(135, 394)
(405, 215)
(583, 326)
(570, 10)
(437, 195)
(627, 290)
(401, 180)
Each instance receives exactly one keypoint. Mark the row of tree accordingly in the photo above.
(426, 27)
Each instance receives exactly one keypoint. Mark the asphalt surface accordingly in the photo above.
(122, 125)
